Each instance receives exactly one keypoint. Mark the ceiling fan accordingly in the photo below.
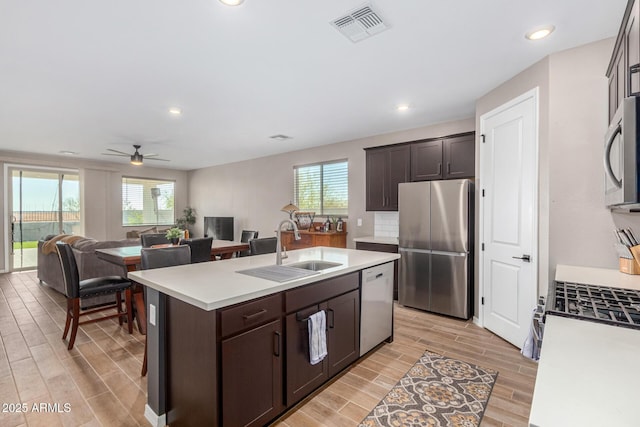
(136, 158)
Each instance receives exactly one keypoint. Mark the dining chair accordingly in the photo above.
(150, 239)
(245, 237)
(265, 245)
(200, 248)
(76, 290)
(151, 258)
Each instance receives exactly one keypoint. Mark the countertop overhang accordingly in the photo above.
(214, 285)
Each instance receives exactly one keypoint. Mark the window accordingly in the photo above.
(322, 188)
(147, 202)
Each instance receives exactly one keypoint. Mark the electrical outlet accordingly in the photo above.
(359, 222)
(152, 314)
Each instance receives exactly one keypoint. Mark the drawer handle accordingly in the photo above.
(331, 318)
(276, 351)
(249, 317)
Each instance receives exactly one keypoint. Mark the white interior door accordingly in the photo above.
(508, 217)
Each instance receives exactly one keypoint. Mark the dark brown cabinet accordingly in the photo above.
(252, 376)
(624, 68)
(244, 365)
(343, 333)
(447, 158)
(386, 168)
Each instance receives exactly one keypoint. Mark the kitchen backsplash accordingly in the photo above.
(386, 224)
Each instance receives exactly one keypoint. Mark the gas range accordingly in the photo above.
(603, 304)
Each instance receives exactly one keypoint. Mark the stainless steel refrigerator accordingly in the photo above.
(436, 236)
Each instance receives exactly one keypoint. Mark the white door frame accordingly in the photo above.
(533, 93)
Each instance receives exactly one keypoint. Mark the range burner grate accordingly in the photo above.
(602, 304)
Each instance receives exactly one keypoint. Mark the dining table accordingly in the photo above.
(129, 258)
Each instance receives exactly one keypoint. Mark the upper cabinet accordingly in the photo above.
(447, 158)
(442, 158)
(386, 168)
(624, 67)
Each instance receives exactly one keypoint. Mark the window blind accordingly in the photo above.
(147, 201)
(322, 188)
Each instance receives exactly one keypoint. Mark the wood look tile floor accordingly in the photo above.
(98, 382)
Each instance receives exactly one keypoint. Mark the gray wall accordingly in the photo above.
(100, 192)
(574, 226)
(253, 191)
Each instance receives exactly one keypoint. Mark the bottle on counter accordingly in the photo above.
(339, 225)
(327, 225)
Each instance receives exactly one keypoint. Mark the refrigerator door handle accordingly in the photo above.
(450, 253)
(420, 251)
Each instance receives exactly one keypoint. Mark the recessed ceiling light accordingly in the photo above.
(175, 111)
(540, 33)
(402, 107)
(280, 137)
(232, 2)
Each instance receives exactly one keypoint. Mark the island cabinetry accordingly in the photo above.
(339, 298)
(386, 168)
(447, 158)
(252, 357)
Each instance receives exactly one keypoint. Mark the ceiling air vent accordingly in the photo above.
(360, 23)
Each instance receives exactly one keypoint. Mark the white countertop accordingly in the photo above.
(588, 375)
(380, 240)
(597, 276)
(212, 285)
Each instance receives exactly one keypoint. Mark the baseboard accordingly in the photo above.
(153, 418)
(476, 322)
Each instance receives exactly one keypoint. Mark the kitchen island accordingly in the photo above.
(225, 348)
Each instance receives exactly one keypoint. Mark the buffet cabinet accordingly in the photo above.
(623, 71)
(450, 157)
(310, 238)
(246, 364)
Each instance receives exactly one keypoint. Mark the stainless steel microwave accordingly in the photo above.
(621, 151)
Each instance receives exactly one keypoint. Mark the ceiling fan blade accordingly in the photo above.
(151, 155)
(114, 154)
(156, 158)
(122, 153)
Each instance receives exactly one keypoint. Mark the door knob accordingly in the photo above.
(525, 258)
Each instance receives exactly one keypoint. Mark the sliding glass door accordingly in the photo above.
(41, 202)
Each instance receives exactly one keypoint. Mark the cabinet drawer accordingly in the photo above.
(249, 314)
(313, 294)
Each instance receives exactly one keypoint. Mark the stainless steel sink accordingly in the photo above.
(284, 273)
(315, 265)
(278, 273)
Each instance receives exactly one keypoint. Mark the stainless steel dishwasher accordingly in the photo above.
(376, 310)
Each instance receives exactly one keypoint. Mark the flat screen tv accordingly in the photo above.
(218, 227)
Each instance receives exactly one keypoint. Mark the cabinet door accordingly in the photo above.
(343, 331)
(399, 168)
(376, 178)
(632, 53)
(426, 160)
(302, 376)
(251, 368)
(460, 157)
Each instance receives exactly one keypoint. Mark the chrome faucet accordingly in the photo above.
(296, 234)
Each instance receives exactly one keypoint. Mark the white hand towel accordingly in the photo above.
(317, 337)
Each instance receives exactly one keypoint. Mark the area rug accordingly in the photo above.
(436, 391)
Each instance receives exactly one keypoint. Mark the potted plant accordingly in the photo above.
(187, 219)
(173, 235)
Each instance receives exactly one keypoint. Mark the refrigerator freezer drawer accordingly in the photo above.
(450, 285)
(413, 287)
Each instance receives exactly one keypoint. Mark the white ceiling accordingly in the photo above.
(86, 76)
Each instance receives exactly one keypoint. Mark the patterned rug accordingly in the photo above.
(436, 391)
